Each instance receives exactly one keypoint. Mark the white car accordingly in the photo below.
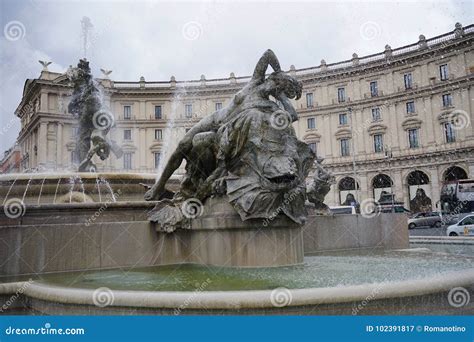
(464, 227)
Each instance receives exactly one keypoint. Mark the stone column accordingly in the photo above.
(399, 136)
(427, 135)
(359, 131)
(44, 102)
(465, 96)
(398, 186)
(59, 146)
(405, 192)
(329, 148)
(142, 148)
(42, 143)
(364, 187)
(34, 139)
(435, 187)
(471, 169)
(142, 110)
(331, 197)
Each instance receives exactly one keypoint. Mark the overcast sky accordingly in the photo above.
(157, 39)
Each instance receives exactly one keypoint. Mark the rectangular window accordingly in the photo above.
(378, 143)
(157, 156)
(75, 132)
(443, 72)
(218, 106)
(449, 132)
(158, 134)
(410, 107)
(408, 80)
(158, 114)
(376, 114)
(127, 112)
(341, 94)
(343, 119)
(447, 100)
(127, 161)
(312, 146)
(374, 91)
(345, 147)
(309, 100)
(311, 123)
(127, 134)
(188, 110)
(413, 138)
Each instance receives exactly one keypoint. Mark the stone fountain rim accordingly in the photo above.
(253, 299)
(83, 175)
(86, 205)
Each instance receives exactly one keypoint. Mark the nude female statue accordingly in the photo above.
(255, 94)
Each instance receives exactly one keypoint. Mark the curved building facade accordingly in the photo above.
(399, 120)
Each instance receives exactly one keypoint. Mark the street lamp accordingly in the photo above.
(389, 156)
(353, 154)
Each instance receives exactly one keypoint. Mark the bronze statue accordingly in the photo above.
(247, 151)
(319, 187)
(94, 121)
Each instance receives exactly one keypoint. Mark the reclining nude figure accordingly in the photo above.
(255, 94)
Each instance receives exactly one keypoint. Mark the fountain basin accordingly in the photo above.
(84, 236)
(419, 284)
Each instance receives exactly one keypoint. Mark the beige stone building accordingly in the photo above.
(403, 115)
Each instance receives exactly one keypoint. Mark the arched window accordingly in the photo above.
(454, 173)
(417, 178)
(419, 191)
(382, 187)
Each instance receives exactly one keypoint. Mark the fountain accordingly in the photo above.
(235, 236)
(95, 121)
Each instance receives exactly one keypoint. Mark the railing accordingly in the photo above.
(364, 60)
(381, 56)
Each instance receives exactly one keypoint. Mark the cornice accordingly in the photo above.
(429, 158)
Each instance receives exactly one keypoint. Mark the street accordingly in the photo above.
(428, 231)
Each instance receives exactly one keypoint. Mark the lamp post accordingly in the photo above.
(353, 154)
(389, 156)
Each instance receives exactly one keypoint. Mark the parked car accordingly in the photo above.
(465, 226)
(432, 219)
(396, 208)
(452, 218)
(343, 209)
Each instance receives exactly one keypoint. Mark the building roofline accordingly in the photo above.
(423, 44)
(389, 55)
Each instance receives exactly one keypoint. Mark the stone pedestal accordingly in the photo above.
(219, 237)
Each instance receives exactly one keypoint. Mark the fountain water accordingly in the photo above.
(97, 182)
(86, 26)
(26, 190)
(168, 137)
(109, 188)
(81, 187)
(10, 189)
(72, 183)
(41, 190)
(56, 191)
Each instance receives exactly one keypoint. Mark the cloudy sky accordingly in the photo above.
(157, 39)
